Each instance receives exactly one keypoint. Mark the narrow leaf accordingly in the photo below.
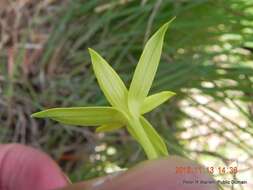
(109, 81)
(109, 127)
(146, 68)
(156, 139)
(155, 100)
(83, 116)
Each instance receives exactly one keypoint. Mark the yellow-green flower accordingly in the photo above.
(127, 106)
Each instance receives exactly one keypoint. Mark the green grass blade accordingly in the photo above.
(109, 81)
(155, 100)
(83, 116)
(146, 68)
(156, 139)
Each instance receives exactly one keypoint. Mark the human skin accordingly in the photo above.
(25, 168)
(150, 175)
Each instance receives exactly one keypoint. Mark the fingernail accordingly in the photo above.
(67, 178)
(98, 183)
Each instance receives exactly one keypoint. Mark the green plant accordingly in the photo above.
(128, 107)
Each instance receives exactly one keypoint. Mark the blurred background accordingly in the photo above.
(207, 60)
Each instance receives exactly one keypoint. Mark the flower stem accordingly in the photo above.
(143, 138)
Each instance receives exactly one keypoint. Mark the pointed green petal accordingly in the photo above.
(83, 116)
(110, 83)
(145, 71)
(155, 100)
(109, 127)
(157, 141)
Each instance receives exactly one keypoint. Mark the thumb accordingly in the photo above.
(149, 175)
(24, 168)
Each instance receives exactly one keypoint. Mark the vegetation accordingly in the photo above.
(206, 61)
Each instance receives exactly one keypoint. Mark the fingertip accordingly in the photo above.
(23, 167)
